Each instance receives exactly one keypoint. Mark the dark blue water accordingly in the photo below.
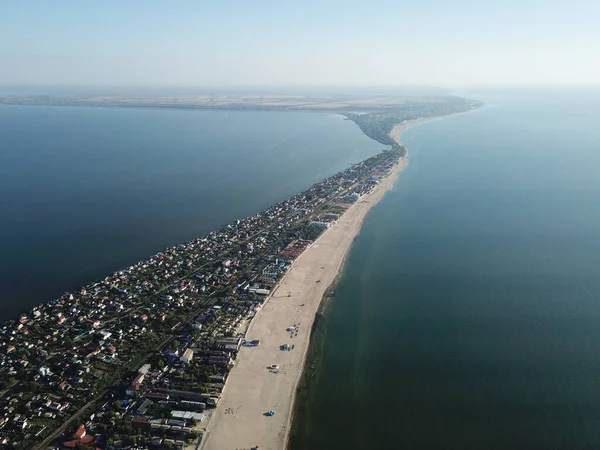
(468, 315)
(86, 191)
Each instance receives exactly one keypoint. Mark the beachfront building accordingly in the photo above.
(329, 217)
(228, 344)
(319, 224)
(351, 198)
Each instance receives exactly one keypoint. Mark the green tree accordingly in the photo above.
(33, 386)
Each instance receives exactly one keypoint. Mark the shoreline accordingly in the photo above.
(398, 129)
(252, 389)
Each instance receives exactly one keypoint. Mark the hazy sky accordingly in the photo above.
(281, 42)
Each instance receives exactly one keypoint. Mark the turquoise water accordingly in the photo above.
(86, 191)
(468, 314)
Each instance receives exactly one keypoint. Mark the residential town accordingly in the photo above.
(134, 360)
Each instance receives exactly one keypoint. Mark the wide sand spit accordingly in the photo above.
(239, 422)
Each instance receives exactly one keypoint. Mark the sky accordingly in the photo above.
(299, 43)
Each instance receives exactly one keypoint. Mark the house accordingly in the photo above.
(319, 224)
(220, 360)
(158, 396)
(85, 440)
(136, 384)
(156, 442)
(172, 354)
(93, 323)
(93, 352)
(143, 408)
(55, 406)
(80, 432)
(187, 356)
(353, 197)
(217, 379)
(105, 334)
(231, 344)
(187, 415)
(22, 363)
(192, 405)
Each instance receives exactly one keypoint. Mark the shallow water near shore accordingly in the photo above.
(468, 313)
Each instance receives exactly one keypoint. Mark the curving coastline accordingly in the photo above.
(252, 389)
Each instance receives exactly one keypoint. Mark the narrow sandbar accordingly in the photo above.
(251, 389)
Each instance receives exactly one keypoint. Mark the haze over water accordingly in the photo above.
(468, 315)
(87, 191)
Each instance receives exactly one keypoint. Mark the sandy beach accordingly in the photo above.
(401, 127)
(251, 389)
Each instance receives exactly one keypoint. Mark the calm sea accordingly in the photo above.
(86, 191)
(468, 315)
